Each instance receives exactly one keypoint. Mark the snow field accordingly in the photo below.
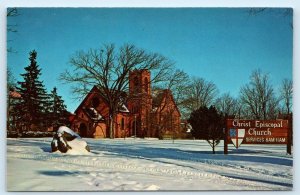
(142, 165)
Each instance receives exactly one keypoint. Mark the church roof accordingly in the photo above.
(14, 94)
(123, 108)
(93, 114)
(157, 97)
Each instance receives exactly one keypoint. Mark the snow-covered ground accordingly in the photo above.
(146, 164)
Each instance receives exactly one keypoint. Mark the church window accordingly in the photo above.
(134, 110)
(135, 84)
(122, 123)
(146, 84)
(135, 81)
(95, 102)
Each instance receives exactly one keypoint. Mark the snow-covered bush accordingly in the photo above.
(13, 134)
(67, 141)
(29, 134)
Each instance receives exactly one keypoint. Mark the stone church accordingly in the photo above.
(146, 112)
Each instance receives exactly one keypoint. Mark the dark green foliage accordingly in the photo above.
(32, 107)
(57, 114)
(36, 110)
(207, 124)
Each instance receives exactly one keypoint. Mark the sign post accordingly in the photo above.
(226, 141)
(257, 132)
(289, 141)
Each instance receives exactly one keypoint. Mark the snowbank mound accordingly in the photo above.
(67, 141)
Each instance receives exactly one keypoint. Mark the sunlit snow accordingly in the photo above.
(146, 164)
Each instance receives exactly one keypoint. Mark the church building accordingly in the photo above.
(145, 113)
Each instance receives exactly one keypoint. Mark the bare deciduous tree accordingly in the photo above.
(258, 97)
(283, 12)
(227, 105)
(200, 93)
(11, 84)
(11, 12)
(178, 82)
(10, 79)
(108, 69)
(287, 94)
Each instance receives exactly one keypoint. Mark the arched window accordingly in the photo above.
(135, 109)
(135, 84)
(146, 84)
(95, 102)
(122, 123)
(136, 81)
(83, 130)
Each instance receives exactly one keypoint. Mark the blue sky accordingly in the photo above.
(221, 45)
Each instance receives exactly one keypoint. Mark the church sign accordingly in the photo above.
(257, 132)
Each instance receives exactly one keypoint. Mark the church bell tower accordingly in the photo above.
(140, 101)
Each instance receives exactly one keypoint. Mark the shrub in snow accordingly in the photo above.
(207, 124)
(29, 134)
(67, 141)
(13, 134)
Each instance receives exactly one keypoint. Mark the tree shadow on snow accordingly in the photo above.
(156, 154)
(46, 149)
(259, 180)
(43, 144)
(59, 173)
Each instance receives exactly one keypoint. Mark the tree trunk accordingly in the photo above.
(111, 128)
(213, 146)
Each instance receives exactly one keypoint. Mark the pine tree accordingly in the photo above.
(32, 107)
(58, 111)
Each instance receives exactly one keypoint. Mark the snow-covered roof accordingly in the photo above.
(123, 108)
(94, 114)
(14, 94)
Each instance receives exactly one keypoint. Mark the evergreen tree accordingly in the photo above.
(207, 124)
(32, 107)
(58, 111)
